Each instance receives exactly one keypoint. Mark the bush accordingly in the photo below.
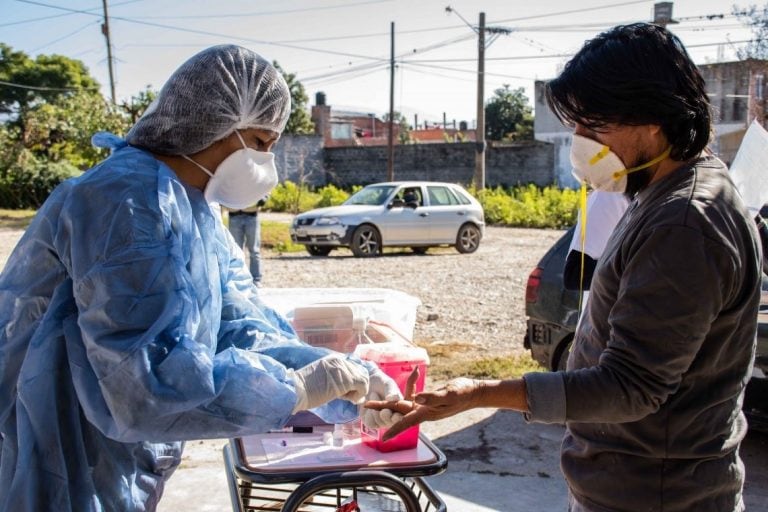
(292, 198)
(331, 196)
(28, 182)
(530, 206)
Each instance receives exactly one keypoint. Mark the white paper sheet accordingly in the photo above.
(310, 450)
(749, 169)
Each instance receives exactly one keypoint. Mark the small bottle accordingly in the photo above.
(338, 435)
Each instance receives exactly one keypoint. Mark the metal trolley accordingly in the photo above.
(315, 477)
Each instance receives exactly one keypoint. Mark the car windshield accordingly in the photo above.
(372, 195)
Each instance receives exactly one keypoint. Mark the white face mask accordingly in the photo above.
(241, 179)
(594, 164)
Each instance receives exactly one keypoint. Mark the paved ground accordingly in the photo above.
(496, 463)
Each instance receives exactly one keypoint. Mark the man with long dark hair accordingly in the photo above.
(655, 381)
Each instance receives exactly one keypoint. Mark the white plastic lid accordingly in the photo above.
(392, 352)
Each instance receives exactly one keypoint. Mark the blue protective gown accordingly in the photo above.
(128, 324)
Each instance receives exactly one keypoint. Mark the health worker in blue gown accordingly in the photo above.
(128, 320)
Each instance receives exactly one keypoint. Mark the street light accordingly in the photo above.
(481, 32)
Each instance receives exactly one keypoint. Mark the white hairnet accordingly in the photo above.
(217, 91)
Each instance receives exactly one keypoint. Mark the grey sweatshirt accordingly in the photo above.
(652, 396)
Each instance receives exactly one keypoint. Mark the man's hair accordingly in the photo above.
(634, 75)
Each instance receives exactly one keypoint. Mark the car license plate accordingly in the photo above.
(301, 232)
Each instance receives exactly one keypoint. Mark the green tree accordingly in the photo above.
(402, 128)
(757, 19)
(61, 129)
(45, 78)
(299, 122)
(137, 105)
(508, 115)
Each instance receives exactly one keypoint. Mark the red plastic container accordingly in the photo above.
(398, 361)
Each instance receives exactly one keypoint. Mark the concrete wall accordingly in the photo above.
(506, 165)
(302, 159)
(299, 158)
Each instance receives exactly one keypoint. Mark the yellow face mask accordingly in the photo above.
(594, 164)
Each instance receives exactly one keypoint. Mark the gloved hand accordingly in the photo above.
(382, 387)
(333, 376)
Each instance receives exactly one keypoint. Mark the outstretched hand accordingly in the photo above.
(456, 396)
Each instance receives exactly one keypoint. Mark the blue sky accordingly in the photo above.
(341, 47)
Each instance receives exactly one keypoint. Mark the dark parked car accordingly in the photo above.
(552, 312)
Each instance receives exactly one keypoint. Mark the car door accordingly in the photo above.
(402, 223)
(445, 213)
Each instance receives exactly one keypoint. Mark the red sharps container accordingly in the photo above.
(398, 361)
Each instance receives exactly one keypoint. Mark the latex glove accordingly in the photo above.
(382, 387)
(325, 379)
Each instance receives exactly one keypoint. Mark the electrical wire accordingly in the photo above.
(473, 71)
(87, 25)
(205, 32)
(266, 13)
(43, 18)
(40, 88)
(344, 78)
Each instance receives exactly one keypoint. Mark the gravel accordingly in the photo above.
(470, 302)
(475, 302)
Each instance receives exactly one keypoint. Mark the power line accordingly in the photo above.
(40, 88)
(43, 18)
(262, 13)
(205, 32)
(87, 25)
(460, 70)
(572, 11)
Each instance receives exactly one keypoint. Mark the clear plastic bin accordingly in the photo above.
(392, 307)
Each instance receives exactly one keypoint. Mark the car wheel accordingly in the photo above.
(317, 250)
(419, 250)
(468, 239)
(366, 241)
(562, 358)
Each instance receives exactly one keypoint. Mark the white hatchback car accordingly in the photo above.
(415, 214)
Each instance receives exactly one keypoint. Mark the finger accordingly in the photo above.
(409, 420)
(401, 406)
(410, 384)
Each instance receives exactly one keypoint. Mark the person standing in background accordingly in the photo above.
(246, 230)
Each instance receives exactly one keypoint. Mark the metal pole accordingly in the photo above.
(480, 129)
(105, 31)
(390, 138)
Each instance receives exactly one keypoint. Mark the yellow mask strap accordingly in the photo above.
(618, 174)
(583, 236)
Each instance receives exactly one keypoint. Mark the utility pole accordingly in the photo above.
(390, 138)
(479, 177)
(480, 130)
(105, 31)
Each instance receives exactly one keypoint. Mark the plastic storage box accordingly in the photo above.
(392, 307)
